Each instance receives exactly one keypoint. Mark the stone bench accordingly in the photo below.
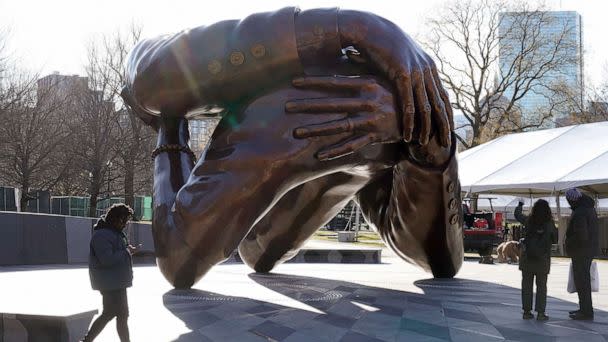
(20, 327)
(347, 236)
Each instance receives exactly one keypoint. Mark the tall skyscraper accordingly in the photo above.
(545, 32)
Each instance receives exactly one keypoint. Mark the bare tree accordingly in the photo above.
(33, 130)
(93, 125)
(490, 55)
(4, 35)
(595, 106)
(133, 139)
(15, 84)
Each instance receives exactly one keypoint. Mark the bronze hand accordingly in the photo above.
(414, 74)
(370, 107)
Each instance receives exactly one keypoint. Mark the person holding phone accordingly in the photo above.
(111, 269)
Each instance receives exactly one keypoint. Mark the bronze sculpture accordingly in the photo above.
(294, 144)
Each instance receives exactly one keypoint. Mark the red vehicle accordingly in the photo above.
(482, 229)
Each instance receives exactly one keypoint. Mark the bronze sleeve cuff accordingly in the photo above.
(432, 155)
(214, 65)
(317, 36)
(428, 226)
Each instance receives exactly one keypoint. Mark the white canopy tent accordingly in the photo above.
(539, 163)
(507, 204)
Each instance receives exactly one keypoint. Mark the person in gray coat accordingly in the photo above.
(111, 269)
(535, 261)
(582, 245)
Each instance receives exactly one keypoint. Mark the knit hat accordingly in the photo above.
(573, 194)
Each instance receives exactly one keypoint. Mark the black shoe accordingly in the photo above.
(579, 316)
(541, 316)
(528, 315)
(573, 312)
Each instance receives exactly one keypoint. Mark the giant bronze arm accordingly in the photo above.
(211, 67)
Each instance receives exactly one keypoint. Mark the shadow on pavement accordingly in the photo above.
(330, 310)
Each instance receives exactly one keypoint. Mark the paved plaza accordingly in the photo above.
(392, 301)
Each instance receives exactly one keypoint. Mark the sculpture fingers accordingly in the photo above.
(408, 110)
(346, 147)
(331, 82)
(331, 127)
(423, 107)
(439, 114)
(331, 105)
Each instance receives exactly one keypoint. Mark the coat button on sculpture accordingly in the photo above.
(237, 58)
(258, 51)
(452, 204)
(454, 219)
(214, 67)
(451, 186)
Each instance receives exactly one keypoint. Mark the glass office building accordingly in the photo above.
(200, 133)
(544, 30)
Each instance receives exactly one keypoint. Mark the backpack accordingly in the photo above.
(535, 245)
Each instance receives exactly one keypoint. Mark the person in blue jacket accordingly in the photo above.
(111, 269)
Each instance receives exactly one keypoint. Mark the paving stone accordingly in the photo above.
(586, 338)
(474, 328)
(299, 336)
(272, 330)
(199, 318)
(225, 330)
(366, 299)
(356, 337)
(293, 318)
(409, 336)
(378, 325)
(397, 301)
(427, 317)
(465, 335)
(424, 328)
(336, 320)
(425, 301)
(390, 310)
(460, 306)
(193, 336)
(347, 309)
(323, 331)
(246, 337)
(465, 315)
(521, 335)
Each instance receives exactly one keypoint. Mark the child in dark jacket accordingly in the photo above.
(111, 270)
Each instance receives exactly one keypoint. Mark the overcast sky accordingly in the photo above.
(51, 35)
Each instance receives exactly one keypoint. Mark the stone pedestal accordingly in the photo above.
(346, 236)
